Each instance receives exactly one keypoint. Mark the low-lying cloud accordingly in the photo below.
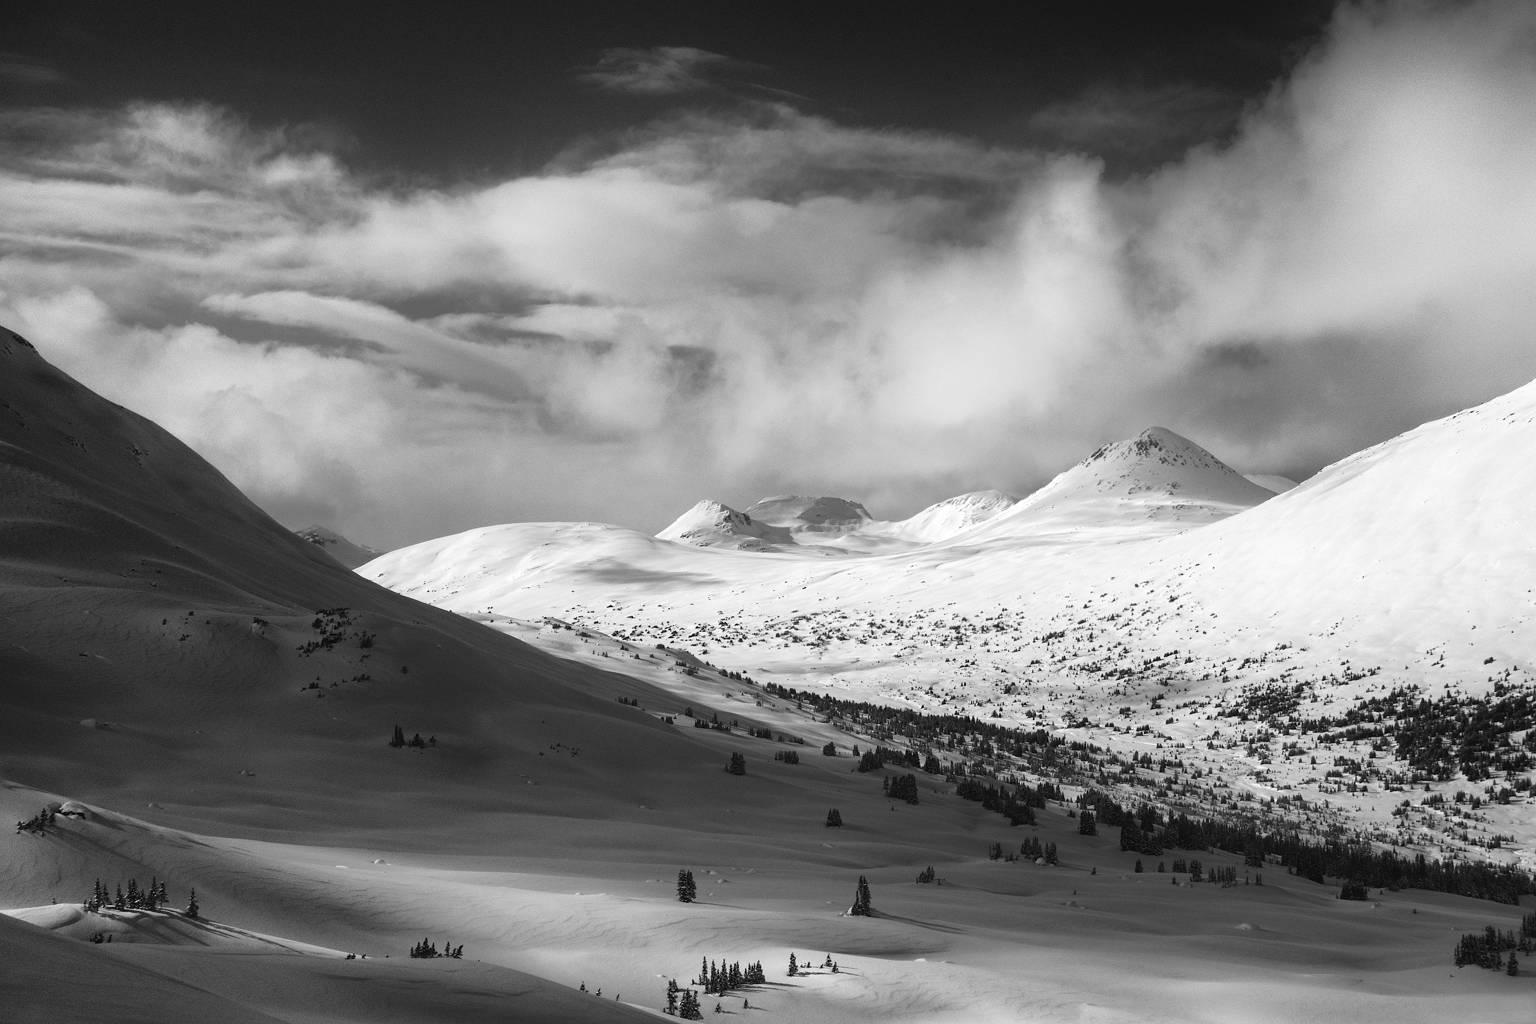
(770, 301)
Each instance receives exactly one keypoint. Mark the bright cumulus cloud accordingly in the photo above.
(730, 304)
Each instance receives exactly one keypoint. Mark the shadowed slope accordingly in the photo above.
(163, 644)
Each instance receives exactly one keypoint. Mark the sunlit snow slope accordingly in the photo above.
(1414, 557)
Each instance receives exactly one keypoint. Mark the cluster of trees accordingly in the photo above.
(879, 757)
(737, 765)
(682, 1002)
(947, 731)
(1486, 950)
(134, 898)
(1087, 825)
(1353, 890)
(1450, 733)
(427, 950)
(1194, 868)
(861, 905)
(834, 818)
(712, 722)
(901, 787)
(1033, 849)
(1016, 805)
(926, 875)
(687, 891)
(37, 823)
(787, 756)
(1148, 831)
(795, 967)
(719, 978)
(398, 740)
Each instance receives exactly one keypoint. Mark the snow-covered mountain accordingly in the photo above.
(799, 513)
(1412, 556)
(1150, 485)
(348, 554)
(945, 519)
(711, 524)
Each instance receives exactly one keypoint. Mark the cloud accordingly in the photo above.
(1119, 119)
(20, 69)
(659, 70)
(766, 301)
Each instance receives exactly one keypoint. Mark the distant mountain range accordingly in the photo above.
(1412, 558)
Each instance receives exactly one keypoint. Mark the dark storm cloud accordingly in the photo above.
(760, 298)
(20, 69)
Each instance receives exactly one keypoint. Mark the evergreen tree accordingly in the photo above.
(398, 739)
(1514, 965)
(192, 910)
(903, 787)
(794, 968)
(1086, 824)
(834, 818)
(1131, 839)
(688, 1009)
(737, 765)
(687, 891)
(861, 905)
(1352, 890)
(671, 1010)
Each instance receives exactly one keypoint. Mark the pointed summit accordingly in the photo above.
(1157, 478)
(710, 524)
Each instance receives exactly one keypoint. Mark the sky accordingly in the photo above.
(405, 275)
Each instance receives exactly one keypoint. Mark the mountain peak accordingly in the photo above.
(798, 512)
(712, 523)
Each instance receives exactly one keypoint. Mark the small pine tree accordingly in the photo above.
(192, 910)
(861, 905)
(687, 891)
(398, 739)
(671, 1008)
(1513, 969)
(688, 1008)
(794, 968)
(834, 818)
(737, 765)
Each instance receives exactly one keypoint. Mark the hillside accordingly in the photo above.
(711, 524)
(171, 650)
(348, 554)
